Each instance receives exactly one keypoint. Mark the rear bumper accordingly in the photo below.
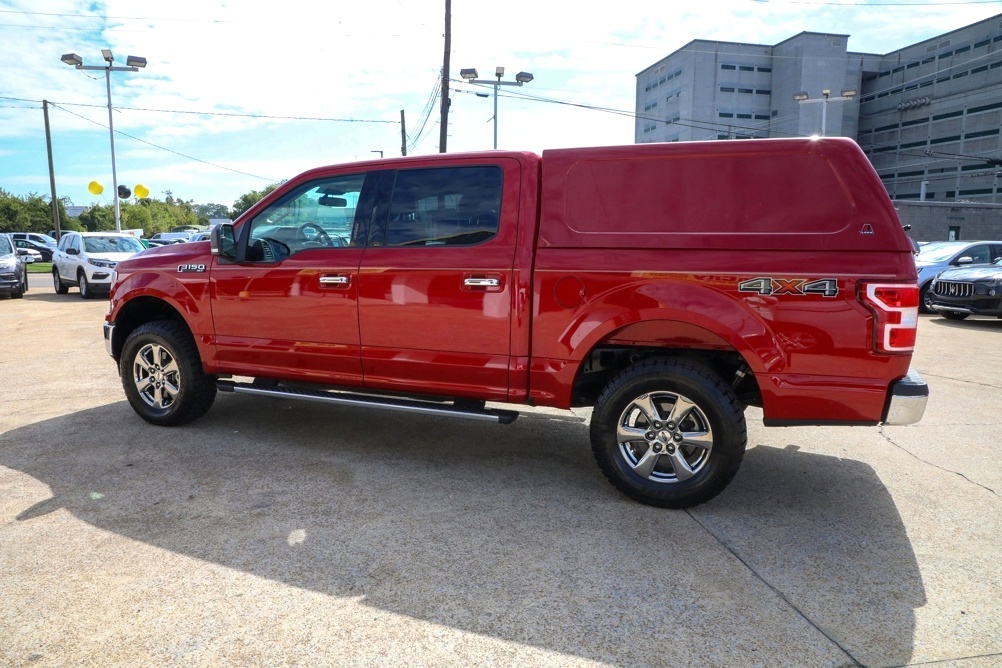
(908, 398)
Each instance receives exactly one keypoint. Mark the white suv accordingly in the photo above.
(88, 260)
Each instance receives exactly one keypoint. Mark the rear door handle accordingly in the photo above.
(334, 281)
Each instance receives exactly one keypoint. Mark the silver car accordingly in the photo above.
(938, 256)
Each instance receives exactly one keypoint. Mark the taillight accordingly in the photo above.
(895, 310)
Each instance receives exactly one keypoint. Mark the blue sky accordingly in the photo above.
(212, 115)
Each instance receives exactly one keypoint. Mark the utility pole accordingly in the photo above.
(52, 170)
(403, 134)
(444, 125)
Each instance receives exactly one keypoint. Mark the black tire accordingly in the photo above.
(162, 374)
(57, 283)
(23, 287)
(924, 298)
(950, 315)
(684, 463)
(86, 292)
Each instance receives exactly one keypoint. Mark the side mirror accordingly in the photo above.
(967, 259)
(72, 251)
(27, 259)
(222, 241)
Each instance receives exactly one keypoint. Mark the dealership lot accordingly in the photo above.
(283, 533)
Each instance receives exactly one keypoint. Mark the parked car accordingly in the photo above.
(958, 293)
(37, 237)
(44, 251)
(13, 277)
(938, 256)
(28, 255)
(172, 237)
(88, 259)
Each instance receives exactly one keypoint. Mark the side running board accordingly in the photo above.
(472, 412)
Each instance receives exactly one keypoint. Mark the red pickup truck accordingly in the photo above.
(669, 286)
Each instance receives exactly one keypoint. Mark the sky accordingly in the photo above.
(240, 94)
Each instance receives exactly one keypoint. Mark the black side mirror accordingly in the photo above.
(223, 241)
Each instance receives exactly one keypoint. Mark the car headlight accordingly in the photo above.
(104, 264)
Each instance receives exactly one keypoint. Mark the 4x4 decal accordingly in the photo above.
(827, 287)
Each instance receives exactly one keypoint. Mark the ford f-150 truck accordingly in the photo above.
(669, 286)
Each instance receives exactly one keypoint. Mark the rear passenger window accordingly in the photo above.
(449, 206)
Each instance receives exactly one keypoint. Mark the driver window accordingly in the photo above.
(319, 214)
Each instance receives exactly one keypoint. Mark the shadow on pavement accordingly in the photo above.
(509, 532)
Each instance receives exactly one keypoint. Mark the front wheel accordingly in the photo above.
(668, 433)
(162, 374)
(86, 292)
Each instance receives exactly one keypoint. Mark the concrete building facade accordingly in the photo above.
(928, 115)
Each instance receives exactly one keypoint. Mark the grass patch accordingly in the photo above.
(39, 268)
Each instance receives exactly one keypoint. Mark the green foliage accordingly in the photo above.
(248, 200)
(206, 212)
(28, 213)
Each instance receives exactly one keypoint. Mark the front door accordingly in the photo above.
(289, 310)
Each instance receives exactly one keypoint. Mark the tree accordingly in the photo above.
(206, 212)
(28, 213)
(248, 200)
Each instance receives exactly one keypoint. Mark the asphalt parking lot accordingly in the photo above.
(277, 533)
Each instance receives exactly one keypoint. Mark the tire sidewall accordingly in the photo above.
(161, 334)
(718, 405)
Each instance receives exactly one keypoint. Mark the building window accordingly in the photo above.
(745, 90)
(726, 89)
(725, 114)
(962, 49)
(746, 68)
(728, 67)
(765, 69)
(763, 91)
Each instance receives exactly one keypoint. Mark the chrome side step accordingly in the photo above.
(367, 401)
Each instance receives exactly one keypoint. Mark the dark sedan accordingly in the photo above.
(44, 251)
(958, 293)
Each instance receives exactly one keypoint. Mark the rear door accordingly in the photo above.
(435, 284)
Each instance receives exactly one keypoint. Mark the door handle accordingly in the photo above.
(481, 282)
(333, 281)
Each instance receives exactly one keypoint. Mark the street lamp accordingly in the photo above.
(471, 75)
(826, 95)
(132, 64)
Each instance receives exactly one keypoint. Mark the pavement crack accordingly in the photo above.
(960, 380)
(774, 589)
(909, 452)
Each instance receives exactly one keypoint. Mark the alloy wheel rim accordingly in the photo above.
(157, 376)
(664, 437)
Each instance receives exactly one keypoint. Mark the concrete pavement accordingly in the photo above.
(282, 533)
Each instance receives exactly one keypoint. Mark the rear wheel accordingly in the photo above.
(162, 374)
(668, 433)
(57, 283)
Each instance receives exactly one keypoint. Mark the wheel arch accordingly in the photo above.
(137, 312)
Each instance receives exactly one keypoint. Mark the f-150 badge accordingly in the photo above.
(827, 287)
(190, 268)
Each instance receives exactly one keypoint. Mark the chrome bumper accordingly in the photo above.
(908, 399)
(109, 332)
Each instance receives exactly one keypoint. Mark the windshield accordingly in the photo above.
(112, 244)
(5, 247)
(937, 253)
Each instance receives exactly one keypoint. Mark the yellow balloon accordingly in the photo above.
(95, 187)
(141, 191)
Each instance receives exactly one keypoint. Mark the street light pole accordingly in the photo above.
(826, 96)
(133, 64)
(471, 77)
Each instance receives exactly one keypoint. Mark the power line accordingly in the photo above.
(163, 148)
